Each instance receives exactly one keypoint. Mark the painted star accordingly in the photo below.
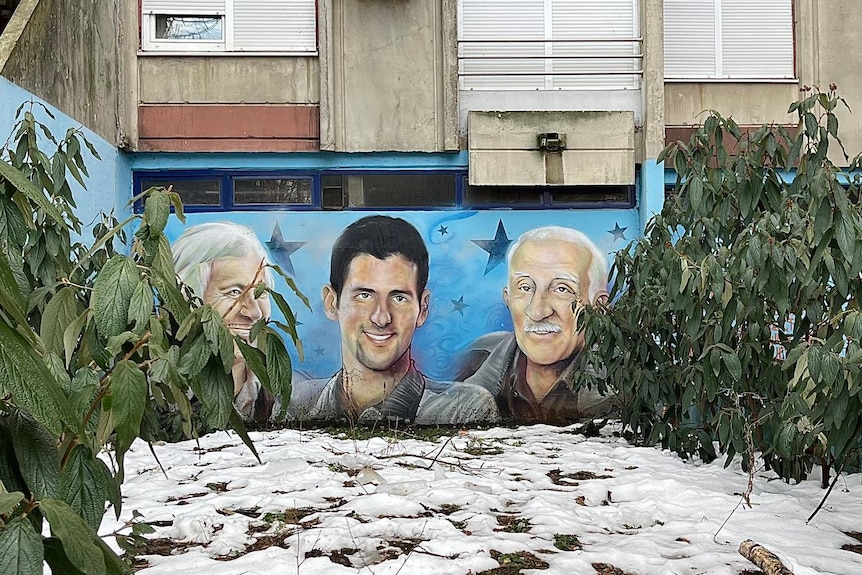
(319, 350)
(496, 248)
(618, 232)
(459, 305)
(282, 250)
(443, 230)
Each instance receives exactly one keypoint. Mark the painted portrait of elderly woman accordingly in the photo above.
(222, 262)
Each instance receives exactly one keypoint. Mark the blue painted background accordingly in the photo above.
(466, 279)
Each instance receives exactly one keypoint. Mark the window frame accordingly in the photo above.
(149, 42)
(227, 176)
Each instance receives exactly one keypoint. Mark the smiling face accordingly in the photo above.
(545, 278)
(228, 278)
(378, 311)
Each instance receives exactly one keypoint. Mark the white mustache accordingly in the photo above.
(543, 327)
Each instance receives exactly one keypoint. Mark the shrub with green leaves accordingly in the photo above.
(96, 344)
(756, 255)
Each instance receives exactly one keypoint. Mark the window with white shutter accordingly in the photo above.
(728, 39)
(548, 44)
(284, 26)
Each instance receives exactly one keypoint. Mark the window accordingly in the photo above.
(229, 26)
(193, 192)
(548, 44)
(549, 197)
(728, 39)
(215, 190)
(389, 190)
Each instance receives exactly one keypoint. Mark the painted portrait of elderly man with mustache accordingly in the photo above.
(551, 272)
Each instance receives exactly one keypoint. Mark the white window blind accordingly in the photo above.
(548, 44)
(250, 25)
(728, 39)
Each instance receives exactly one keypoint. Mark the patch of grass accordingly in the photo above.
(460, 525)
(449, 508)
(567, 542)
(480, 450)
(290, 516)
(513, 524)
(557, 477)
(513, 563)
(608, 569)
(218, 487)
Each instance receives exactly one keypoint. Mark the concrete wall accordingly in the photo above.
(228, 80)
(389, 70)
(67, 52)
(828, 49)
(748, 103)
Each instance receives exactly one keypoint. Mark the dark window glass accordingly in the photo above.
(189, 27)
(192, 192)
(502, 195)
(332, 196)
(617, 195)
(272, 191)
(388, 191)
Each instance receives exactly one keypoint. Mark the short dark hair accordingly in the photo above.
(381, 237)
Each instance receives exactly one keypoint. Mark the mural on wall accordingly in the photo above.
(424, 317)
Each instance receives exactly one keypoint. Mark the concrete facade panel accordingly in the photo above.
(748, 103)
(67, 52)
(389, 90)
(507, 168)
(228, 80)
(584, 130)
(599, 167)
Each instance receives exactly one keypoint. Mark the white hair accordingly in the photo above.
(200, 245)
(598, 270)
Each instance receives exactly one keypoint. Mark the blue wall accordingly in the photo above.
(110, 183)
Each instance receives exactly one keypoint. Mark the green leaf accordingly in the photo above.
(141, 306)
(195, 355)
(77, 537)
(33, 388)
(11, 300)
(37, 455)
(59, 314)
(21, 551)
(20, 182)
(216, 393)
(237, 425)
(157, 208)
(178, 206)
(112, 294)
(72, 333)
(55, 557)
(734, 368)
(129, 398)
(83, 485)
(8, 501)
(256, 360)
(278, 367)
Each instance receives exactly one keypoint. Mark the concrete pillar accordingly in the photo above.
(652, 31)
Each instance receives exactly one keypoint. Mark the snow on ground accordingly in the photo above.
(324, 504)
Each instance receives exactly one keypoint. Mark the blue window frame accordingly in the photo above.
(215, 190)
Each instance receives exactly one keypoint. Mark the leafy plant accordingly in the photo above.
(737, 315)
(95, 344)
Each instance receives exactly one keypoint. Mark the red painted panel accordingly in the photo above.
(229, 121)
